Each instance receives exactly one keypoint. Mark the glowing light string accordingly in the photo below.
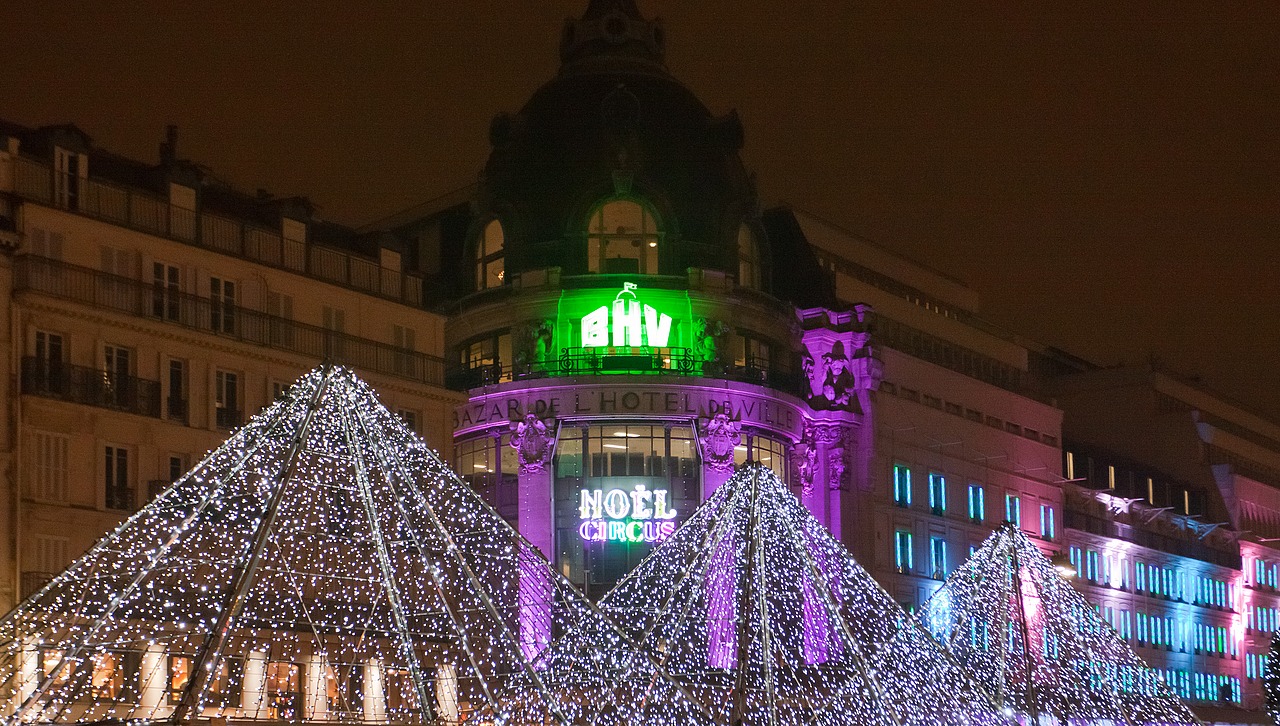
(1055, 659)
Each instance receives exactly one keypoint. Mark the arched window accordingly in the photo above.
(489, 257)
(623, 237)
(748, 258)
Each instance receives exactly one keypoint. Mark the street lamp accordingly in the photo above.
(1063, 565)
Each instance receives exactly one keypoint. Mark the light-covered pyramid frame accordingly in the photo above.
(1039, 646)
(770, 622)
(322, 565)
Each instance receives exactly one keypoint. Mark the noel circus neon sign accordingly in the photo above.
(633, 325)
(618, 515)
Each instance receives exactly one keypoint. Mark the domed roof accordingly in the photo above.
(614, 122)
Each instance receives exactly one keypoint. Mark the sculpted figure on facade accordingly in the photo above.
(805, 458)
(533, 441)
(544, 342)
(837, 381)
(719, 435)
(835, 461)
(708, 338)
(532, 345)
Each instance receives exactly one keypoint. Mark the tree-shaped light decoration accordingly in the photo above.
(1271, 680)
(321, 565)
(1040, 647)
(771, 622)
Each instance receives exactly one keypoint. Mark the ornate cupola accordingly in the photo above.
(613, 28)
(614, 166)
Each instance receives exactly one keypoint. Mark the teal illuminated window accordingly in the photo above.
(901, 485)
(938, 557)
(937, 493)
(1048, 528)
(977, 503)
(1013, 509)
(902, 553)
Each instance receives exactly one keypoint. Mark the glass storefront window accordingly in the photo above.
(620, 488)
(492, 468)
(771, 453)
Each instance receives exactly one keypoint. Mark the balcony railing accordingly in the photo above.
(78, 384)
(635, 361)
(129, 296)
(149, 213)
(228, 418)
(32, 581)
(155, 487)
(122, 499)
(597, 361)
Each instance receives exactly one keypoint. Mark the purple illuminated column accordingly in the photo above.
(821, 641)
(717, 438)
(534, 443)
(722, 599)
(822, 484)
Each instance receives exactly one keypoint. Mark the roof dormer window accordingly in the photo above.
(70, 169)
(623, 237)
(490, 252)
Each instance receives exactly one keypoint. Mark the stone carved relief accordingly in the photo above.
(837, 358)
(533, 441)
(533, 344)
(804, 457)
(708, 344)
(835, 461)
(718, 436)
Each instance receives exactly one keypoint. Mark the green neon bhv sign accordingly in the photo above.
(631, 322)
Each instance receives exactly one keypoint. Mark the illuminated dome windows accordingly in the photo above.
(748, 258)
(623, 237)
(490, 252)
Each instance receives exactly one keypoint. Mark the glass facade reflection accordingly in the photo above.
(614, 462)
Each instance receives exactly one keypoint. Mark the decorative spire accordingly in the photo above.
(614, 29)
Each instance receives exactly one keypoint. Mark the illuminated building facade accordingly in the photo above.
(629, 324)
(149, 310)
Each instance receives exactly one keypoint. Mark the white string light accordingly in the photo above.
(770, 621)
(322, 565)
(1038, 645)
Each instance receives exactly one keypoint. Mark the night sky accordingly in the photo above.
(1106, 175)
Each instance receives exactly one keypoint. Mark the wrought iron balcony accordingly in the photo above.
(635, 361)
(132, 297)
(32, 581)
(122, 499)
(229, 418)
(78, 384)
(155, 487)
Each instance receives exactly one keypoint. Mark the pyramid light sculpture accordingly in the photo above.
(321, 565)
(771, 622)
(1039, 646)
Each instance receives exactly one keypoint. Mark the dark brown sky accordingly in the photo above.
(1105, 174)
